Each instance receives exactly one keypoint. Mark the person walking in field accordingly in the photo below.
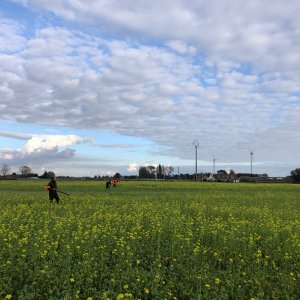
(52, 188)
(114, 182)
(107, 184)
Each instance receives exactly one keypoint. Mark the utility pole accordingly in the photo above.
(196, 144)
(214, 165)
(251, 158)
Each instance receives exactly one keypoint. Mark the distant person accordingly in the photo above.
(52, 187)
(114, 182)
(107, 184)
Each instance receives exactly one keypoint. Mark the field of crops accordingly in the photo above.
(150, 240)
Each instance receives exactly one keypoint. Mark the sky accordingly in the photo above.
(95, 87)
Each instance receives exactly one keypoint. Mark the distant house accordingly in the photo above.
(210, 178)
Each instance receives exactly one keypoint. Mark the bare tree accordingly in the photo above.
(168, 170)
(25, 170)
(151, 170)
(4, 170)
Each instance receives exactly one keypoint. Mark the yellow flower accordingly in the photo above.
(120, 296)
(125, 286)
(89, 298)
(72, 279)
(217, 280)
(207, 285)
(8, 296)
(146, 291)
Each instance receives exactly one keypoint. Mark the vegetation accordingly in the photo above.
(4, 170)
(295, 174)
(150, 240)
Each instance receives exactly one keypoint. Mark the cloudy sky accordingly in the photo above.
(95, 87)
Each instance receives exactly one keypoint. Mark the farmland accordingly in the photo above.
(150, 240)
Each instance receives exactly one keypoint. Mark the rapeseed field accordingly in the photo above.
(150, 240)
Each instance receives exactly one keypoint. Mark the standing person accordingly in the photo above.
(107, 184)
(52, 187)
(114, 182)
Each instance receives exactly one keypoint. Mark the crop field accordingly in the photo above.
(150, 240)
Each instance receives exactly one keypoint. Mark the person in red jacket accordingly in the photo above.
(114, 182)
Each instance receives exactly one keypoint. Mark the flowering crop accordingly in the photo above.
(150, 240)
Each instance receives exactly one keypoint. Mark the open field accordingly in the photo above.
(148, 240)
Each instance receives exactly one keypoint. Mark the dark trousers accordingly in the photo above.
(54, 196)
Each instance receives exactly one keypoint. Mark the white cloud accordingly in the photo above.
(11, 39)
(132, 167)
(41, 149)
(225, 73)
(257, 32)
(181, 47)
(50, 142)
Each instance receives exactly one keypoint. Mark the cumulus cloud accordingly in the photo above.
(181, 47)
(11, 39)
(49, 142)
(255, 32)
(132, 167)
(40, 149)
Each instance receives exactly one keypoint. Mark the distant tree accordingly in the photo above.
(151, 170)
(44, 175)
(117, 176)
(159, 171)
(221, 172)
(143, 173)
(4, 170)
(231, 174)
(49, 174)
(295, 174)
(25, 171)
(147, 172)
(168, 170)
(165, 171)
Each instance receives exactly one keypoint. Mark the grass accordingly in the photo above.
(150, 240)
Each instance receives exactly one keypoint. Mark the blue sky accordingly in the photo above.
(99, 87)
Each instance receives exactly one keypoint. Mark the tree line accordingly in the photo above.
(24, 172)
(146, 172)
(159, 172)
